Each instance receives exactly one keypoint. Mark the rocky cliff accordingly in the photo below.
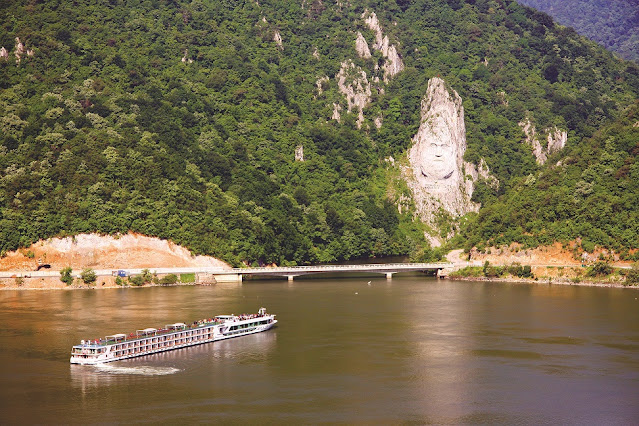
(556, 139)
(438, 176)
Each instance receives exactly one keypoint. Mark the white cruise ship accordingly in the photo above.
(172, 336)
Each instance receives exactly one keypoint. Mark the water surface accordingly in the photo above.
(410, 350)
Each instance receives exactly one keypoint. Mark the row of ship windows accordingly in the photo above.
(248, 325)
(145, 348)
(197, 333)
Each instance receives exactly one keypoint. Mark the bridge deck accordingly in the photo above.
(382, 268)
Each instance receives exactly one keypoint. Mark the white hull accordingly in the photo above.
(230, 327)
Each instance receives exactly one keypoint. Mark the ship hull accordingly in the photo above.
(92, 354)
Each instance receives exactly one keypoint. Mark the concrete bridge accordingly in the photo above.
(237, 274)
(387, 269)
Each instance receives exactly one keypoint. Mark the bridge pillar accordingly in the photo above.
(290, 277)
(389, 275)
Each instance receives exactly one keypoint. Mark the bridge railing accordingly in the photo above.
(363, 267)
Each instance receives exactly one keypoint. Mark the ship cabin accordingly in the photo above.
(223, 318)
(176, 326)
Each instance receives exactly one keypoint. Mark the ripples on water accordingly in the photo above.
(141, 370)
(409, 350)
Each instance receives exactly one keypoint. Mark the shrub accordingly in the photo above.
(65, 275)
(169, 279)
(136, 280)
(632, 276)
(600, 268)
(468, 271)
(147, 277)
(88, 276)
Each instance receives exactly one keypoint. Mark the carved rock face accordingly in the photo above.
(439, 178)
(440, 141)
(437, 158)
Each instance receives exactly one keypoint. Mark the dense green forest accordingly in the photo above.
(180, 119)
(613, 23)
(591, 195)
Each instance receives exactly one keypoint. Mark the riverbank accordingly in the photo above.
(559, 281)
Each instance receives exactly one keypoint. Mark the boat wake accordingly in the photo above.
(143, 370)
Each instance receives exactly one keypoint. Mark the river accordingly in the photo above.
(410, 350)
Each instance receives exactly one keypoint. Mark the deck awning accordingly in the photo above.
(147, 331)
(116, 336)
(176, 325)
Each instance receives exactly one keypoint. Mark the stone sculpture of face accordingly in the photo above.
(438, 159)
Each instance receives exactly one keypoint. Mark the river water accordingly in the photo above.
(410, 350)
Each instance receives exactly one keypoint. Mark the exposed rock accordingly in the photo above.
(353, 83)
(316, 54)
(336, 112)
(186, 58)
(532, 140)
(319, 83)
(4, 54)
(634, 125)
(105, 252)
(299, 153)
(19, 50)
(378, 121)
(438, 176)
(277, 38)
(393, 63)
(556, 140)
(361, 46)
(501, 96)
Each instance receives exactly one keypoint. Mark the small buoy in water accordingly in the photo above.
(356, 293)
(369, 283)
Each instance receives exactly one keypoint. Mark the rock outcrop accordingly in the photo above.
(353, 83)
(361, 46)
(277, 38)
(438, 176)
(19, 52)
(320, 84)
(556, 140)
(393, 63)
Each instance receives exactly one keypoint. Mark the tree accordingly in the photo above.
(65, 275)
(632, 277)
(88, 276)
(147, 277)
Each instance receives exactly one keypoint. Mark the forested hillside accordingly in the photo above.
(613, 23)
(590, 196)
(182, 120)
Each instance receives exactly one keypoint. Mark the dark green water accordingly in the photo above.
(410, 350)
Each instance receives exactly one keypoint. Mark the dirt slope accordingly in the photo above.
(104, 252)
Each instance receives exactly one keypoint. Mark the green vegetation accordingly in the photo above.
(611, 23)
(88, 276)
(106, 129)
(599, 269)
(590, 195)
(65, 275)
(136, 280)
(187, 278)
(632, 276)
(169, 279)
